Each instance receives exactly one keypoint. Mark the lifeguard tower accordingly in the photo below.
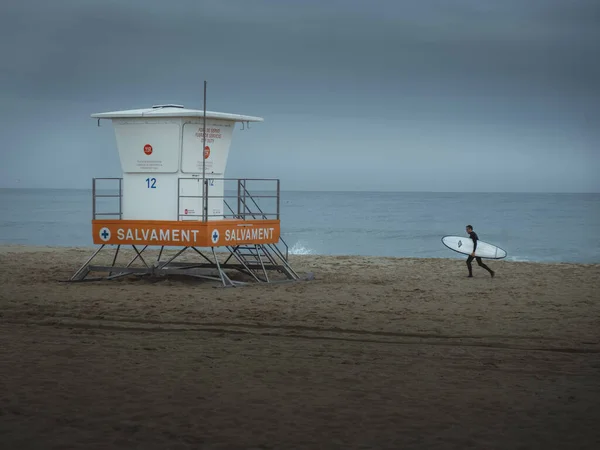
(173, 194)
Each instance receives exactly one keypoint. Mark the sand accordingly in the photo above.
(374, 353)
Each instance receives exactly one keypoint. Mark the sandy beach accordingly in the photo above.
(375, 352)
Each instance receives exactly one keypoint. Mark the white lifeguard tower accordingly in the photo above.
(173, 193)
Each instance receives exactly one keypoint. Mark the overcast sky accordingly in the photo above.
(424, 95)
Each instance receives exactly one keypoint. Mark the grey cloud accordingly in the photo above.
(117, 40)
(500, 72)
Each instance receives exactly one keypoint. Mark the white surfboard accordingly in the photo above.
(464, 245)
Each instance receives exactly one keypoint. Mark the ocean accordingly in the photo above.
(530, 227)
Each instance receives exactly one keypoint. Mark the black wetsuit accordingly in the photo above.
(475, 238)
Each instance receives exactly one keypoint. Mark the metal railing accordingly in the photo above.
(96, 196)
(246, 205)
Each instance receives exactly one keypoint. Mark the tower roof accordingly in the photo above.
(171, 110)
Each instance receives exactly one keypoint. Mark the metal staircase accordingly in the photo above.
(257, 259)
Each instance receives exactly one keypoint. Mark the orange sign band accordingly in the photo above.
(185, 233)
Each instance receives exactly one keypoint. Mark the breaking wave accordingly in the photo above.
(517, 259)
(300, 249)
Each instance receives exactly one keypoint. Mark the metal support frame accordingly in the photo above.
(256, 264)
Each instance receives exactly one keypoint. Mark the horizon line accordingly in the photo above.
(338, 191)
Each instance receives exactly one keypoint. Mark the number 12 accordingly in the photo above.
(151, 183)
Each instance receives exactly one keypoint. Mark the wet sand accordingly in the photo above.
(374, 353)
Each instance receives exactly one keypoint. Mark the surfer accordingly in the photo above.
(472, 256)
